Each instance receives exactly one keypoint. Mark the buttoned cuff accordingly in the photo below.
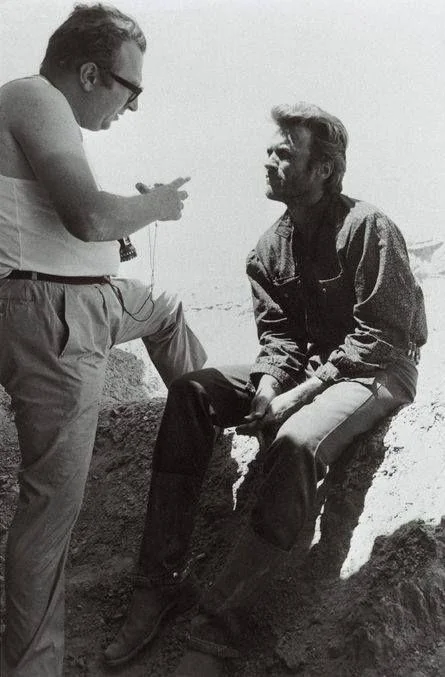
(258, 370)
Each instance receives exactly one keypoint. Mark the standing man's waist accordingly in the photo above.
(61, 279)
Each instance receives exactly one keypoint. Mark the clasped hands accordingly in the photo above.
(270, 407)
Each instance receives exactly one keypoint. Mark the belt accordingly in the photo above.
(61, 279)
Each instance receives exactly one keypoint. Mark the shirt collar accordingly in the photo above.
(285, 225)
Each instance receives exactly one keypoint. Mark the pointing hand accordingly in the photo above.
(167, 198)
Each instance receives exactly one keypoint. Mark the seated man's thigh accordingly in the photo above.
(328, 425)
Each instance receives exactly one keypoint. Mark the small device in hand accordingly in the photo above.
(127, 250)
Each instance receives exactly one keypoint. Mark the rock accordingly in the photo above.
(325, 625)
(424, 249)
(439, 659)
(291, 654)
(400, 596)
(124, 378)
(369, 672)
(125, 381)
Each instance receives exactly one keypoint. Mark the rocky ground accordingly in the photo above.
(368, 600)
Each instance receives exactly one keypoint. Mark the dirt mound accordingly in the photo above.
(367, 601)
(385, 620)
(399, 599)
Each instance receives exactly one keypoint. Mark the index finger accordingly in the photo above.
(177, 183)
(142, 188)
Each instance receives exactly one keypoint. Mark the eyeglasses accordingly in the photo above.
(134, 89)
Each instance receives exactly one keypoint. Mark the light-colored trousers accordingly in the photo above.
(54, 343)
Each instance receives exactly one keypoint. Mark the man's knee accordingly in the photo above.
(298, 452)
(293, 444)
(169, 322)
(171, 306)
(199, 381)
(191, 391)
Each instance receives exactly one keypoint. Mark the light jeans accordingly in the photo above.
(54, 343)
(294, 460)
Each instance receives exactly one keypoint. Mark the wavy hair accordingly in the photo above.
(329, 138)
(91, 33)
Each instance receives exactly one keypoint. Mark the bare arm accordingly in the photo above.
(44, 126)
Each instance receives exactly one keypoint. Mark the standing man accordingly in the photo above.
(340, 320)
(61, 310)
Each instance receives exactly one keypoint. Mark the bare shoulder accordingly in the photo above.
(33, 103)
(43, 137)
(26, 91)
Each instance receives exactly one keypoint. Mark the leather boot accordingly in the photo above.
(215, 633)
(247, 571)
(163, 584)
(151, 603)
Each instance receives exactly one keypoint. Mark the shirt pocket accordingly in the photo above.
(336, 302)
(288, 295)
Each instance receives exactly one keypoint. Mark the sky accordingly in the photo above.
(213, 70)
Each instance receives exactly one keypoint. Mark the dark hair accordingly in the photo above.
(91, 33)
(329, 137)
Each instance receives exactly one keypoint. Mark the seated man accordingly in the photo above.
(60, 308)
(340, 320)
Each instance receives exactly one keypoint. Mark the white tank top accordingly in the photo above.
(32, 236)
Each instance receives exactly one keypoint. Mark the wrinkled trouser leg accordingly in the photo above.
(160, 322)
(54, 341)
(52, 362)
(313, 438)
(195, 404)
(309, 440)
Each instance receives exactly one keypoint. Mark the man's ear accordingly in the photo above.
(325, 169)
(88, 76)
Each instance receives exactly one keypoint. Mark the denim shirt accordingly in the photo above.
(351, 300)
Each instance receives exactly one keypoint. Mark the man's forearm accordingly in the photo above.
(274, 413)
(110, 217)
(306, 391)
(104, 216)
(270, 384)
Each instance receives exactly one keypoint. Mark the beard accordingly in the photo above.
(298, 190)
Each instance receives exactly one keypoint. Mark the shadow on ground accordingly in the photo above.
(381, 622)
(386, 620)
